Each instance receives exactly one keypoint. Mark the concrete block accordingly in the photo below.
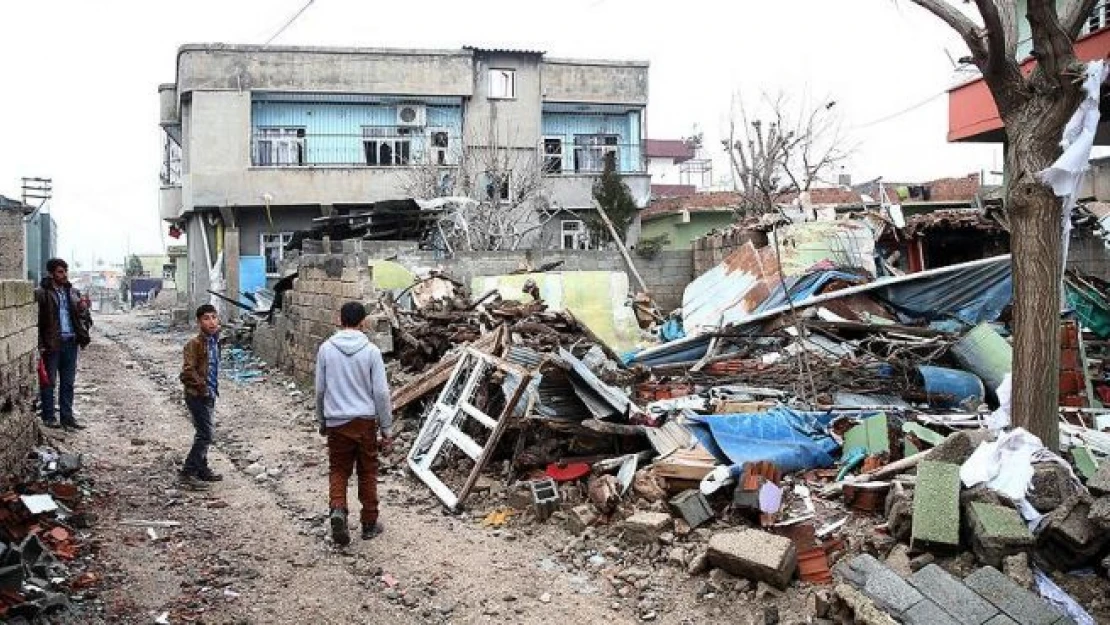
(755, 555)
(692, 506)
(1010, 599)
(1100, 513)
(1068, 538)
(997, 532)
(936, 506)
(1100, 483)
(645, 527)
(1001, 619)
(879, 583)
(1051, 485)
(957, 600)
(958, 447)
(929, 613)
(580, 518)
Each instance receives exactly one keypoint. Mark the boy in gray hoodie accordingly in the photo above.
(353, 405)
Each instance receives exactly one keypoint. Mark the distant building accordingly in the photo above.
(677, 168)
(42, 244)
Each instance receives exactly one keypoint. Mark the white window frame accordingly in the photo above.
(502, 83)
(579, 236)
(552, 157)
(283, 146)
(592, 150)
(278, 239)
(440, 155)
(399, 144)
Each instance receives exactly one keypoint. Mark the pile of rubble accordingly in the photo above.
(41, 518)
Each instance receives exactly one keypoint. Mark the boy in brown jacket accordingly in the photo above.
(200, 376)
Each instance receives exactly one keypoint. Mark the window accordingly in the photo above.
(496, 185)
(552, 155)
(502, 83)
(1098, 18)
(592, 152)
(574, 235)
(273, 250)
(386, 146)
(279, 146)
(440, 142)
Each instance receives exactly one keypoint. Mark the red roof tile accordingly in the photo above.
(668, 148)
(661, 191)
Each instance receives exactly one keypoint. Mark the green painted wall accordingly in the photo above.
(683, 235)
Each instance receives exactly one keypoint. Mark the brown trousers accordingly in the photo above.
(354, 444)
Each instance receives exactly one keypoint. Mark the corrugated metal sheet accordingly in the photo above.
(729, 291)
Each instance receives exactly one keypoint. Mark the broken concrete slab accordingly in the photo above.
(936, 506)
(929, 613)
(1100, 484)
(899, 515)
(1068, 539)
(997, 532)
(1052, 484)
(955, 599)
(581, 517)
(1015, 602)
(1100, 513)
(755, 555)
(1017, 568)
(860, 608)
(880, 584)
(646, 527)
(958, 447)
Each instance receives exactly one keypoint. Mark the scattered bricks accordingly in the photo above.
(754, 555)
(545, 498)
(936, 506)
(1052, 483)
(997, 532)
(692, 506)
(1068, 539)
(580, 518)
(882, 585)
(645, 527)
(1100, 483)
(960, 603)
(1100, 513)
(958, 447)
(1012, 600)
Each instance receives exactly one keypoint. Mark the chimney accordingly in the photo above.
(845, 180)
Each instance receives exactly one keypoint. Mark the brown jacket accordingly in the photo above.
(194, 371)
(50, 324)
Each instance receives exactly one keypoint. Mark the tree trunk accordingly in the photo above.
(1035, 239)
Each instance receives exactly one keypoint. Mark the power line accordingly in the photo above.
(290, 22)
(901, 112)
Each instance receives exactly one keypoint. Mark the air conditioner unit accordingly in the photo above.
(411, 115)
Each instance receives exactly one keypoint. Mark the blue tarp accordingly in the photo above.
(793, 440)
(252, 276)
(972, 295)
(804, 287)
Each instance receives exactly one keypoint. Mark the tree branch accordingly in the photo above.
(1074, 16)
(968, 30)
(1051, 45)
(1001, 26)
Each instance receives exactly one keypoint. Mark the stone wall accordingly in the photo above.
(18, 384)
(666, 274)
(12, 245)
(713, 248)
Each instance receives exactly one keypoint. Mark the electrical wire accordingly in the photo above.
(290, 22)
(902, 112)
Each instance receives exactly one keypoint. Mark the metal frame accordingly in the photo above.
(448, 415)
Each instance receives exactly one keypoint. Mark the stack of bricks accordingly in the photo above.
(324, 283)
(18, 384)
(1073, 379)
(713, 248)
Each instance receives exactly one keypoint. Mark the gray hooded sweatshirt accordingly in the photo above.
(351, 382)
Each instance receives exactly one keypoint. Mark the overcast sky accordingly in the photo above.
(78, 79)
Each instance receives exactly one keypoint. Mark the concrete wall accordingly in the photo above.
(683, 235)
(601, 82)
(18, 384)
(12, 245)
(710, 250)
(576, 191)
(505, 123)
(666, 275)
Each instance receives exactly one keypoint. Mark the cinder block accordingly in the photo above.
(645, 527)
(997, 532)
(936, 506)
(957, 600)
(1012, 600)
(755, 555)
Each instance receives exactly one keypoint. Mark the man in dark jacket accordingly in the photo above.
(64, 323)
(200, 373)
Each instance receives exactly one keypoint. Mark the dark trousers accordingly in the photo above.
(354, 444)
(201, 409)
(60, 364)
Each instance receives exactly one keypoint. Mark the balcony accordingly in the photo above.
(170, 206)
(374, 147)
(591, 158)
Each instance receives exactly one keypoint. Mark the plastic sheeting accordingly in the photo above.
(793, 440)
(805, 287)
(971, 294)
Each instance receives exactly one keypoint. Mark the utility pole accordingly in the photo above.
(40, 189)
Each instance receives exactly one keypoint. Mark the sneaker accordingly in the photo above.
(209, 476)
(72, 425)
(192, 482)
(371, 531)
(339, 532)
(53, 424)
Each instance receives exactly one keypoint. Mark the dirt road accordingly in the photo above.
(254, 548)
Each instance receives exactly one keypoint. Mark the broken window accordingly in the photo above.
(502, 84)
(279, 146)
(440, 142)
(574, 235)
(273, 250)
(386, 146)
(592, 152)
(552, 155)
(1098, 18)
(496, 186)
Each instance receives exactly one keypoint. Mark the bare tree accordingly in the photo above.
(1034, 108)
(496, 190)
(785, 149)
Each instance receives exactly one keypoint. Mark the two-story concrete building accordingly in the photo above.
(260, 140)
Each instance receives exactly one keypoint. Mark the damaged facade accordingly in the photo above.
(260, 141)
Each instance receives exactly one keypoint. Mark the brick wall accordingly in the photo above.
(666, 275)
(711, 249)
(12, 244)
(18, 384)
